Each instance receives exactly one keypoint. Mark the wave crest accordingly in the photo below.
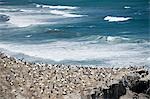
(116, 19)
(127, 7)
(104, 39)
(110, 54)
(55, 7)
(65, 14)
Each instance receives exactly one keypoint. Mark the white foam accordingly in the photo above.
(106, 39)
(56, 7)
(24, 17)
(127, 7)
(29, 11)
(37, 5)
(116, 38)
(25, 20)
(122, 54)
(148, 58)
(116, 19)
(28, 36)
(73, 15)
(9, 10)
(65, 13)
(21, 21)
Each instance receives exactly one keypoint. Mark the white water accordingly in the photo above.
(56, 7)
(65, 14)
(127, 7)
(110, 54)
(24, 17)
(116, 19)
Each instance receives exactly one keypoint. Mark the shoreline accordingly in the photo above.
(24, 80)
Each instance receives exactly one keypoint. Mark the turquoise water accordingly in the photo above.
(87, 32)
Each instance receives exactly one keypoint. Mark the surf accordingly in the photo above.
(55, 7)
(65, 13)
(116, 19)
(61, 51)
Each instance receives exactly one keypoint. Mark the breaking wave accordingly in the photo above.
(116, 19)
(24, 17)
(65, 13)
(55, 7)
(121, 54)
(104, 39)
(9, 10)
(127, 7)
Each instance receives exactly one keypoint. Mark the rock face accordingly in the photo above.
(115, 91)
(141, 87)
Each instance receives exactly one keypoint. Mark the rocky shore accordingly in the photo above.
(23, 80)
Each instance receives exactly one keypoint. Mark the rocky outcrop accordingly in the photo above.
(138, 82)
(141, 87)
(115, 91)
(133, 83)
(23, 80)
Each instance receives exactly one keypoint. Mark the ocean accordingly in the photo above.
(77, 32)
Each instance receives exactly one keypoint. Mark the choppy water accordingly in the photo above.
(88, 32)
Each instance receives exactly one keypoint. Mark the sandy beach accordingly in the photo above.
(23, 80)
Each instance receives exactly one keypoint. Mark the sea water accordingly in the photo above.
(83, 32)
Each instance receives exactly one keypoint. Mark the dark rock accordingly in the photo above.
(93, 96)
(142, 71)
(96, 95)
(130, 80)
(115, 91)
(125, 82)
(141, 87)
